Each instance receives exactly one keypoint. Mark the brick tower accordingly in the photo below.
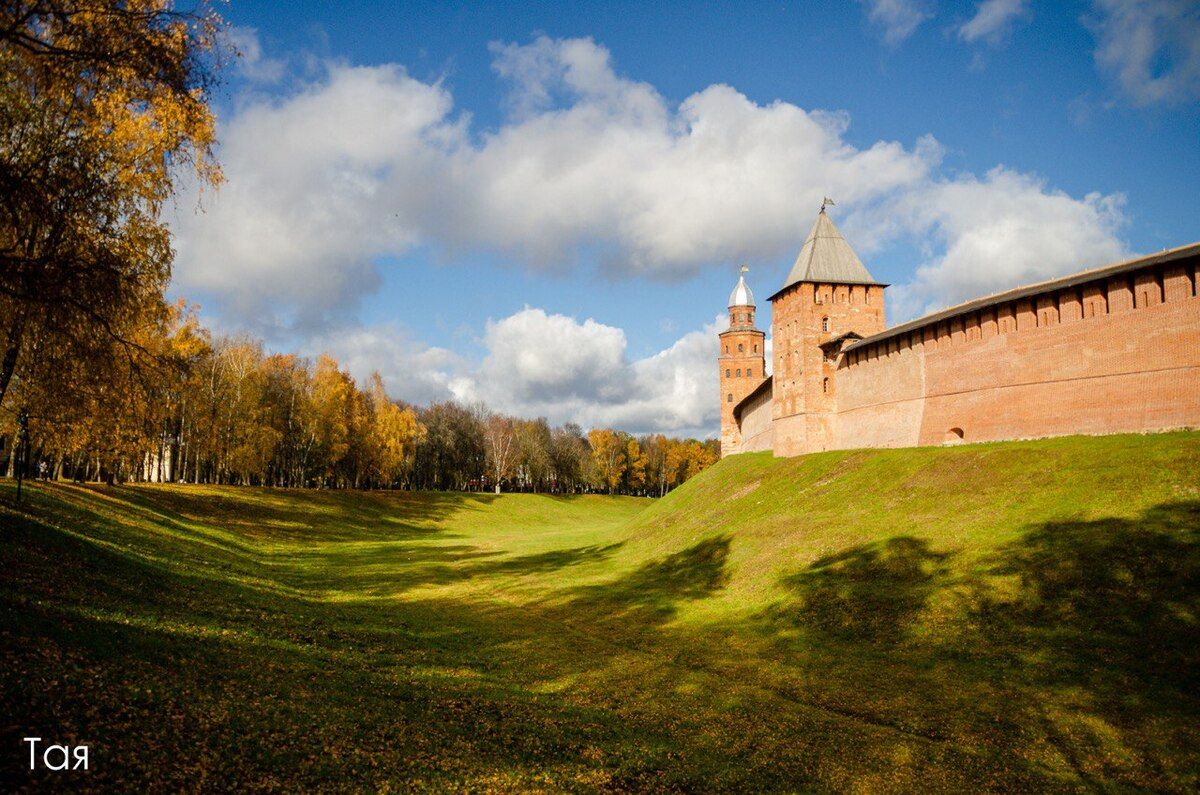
(828, 299)
(742, 360)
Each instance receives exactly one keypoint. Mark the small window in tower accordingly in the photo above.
(756, 347)
(739, 372)
(741, 348)
(749, 372)
(729, 398)
(726, 372)
(825, 385)
(825, 324)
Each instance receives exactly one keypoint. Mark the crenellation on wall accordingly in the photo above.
(1070, 306)
(1026, 316)
(1147, 289)
(1120, 295)
(1047, 310)
(1177, 284)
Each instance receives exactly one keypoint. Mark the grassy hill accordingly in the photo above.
(1006, 616)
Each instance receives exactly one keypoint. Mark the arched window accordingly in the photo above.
(741, 348)
(749, 371)
(729, 398)
(739, 372)
(825, 324)
(726, 372)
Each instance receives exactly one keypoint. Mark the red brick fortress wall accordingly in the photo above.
(1115, 354)
(803, 316)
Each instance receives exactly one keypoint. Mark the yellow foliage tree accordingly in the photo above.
(608, 454)
(396, 433)
(635, 474)
(104, 108)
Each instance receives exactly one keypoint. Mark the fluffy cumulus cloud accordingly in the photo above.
(1151, 47)
(368, 162)
(998, 232)
(543, 364)
(306, 207)
(898, 19)
(993, 20)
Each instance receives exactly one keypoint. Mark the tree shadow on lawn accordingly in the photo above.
(1077, 646)
(649, 595)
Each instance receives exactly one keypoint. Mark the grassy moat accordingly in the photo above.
(1012, 616)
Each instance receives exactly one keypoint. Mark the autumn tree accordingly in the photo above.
(608, 455)
(635, 471)
(103, 109)
(396, 434)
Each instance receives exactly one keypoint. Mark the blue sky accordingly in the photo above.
(449, 194)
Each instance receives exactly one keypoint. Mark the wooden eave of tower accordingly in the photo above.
(836, 343)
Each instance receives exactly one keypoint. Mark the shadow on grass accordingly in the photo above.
(1081, 638)
(650, 594)
(872, 593)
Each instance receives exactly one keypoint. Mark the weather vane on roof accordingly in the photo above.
(827, 202)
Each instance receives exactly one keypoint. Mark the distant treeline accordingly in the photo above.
(185, 407)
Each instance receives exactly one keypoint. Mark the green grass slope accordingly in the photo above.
(1004, 617)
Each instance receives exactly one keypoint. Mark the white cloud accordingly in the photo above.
(898, 18)
(305, 211)
(369, 162)
(993, 20)
(999, 232)
(541, 364)
(1152, 47)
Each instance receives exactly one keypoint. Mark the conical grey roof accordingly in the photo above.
(741, 295)
(827, 257)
